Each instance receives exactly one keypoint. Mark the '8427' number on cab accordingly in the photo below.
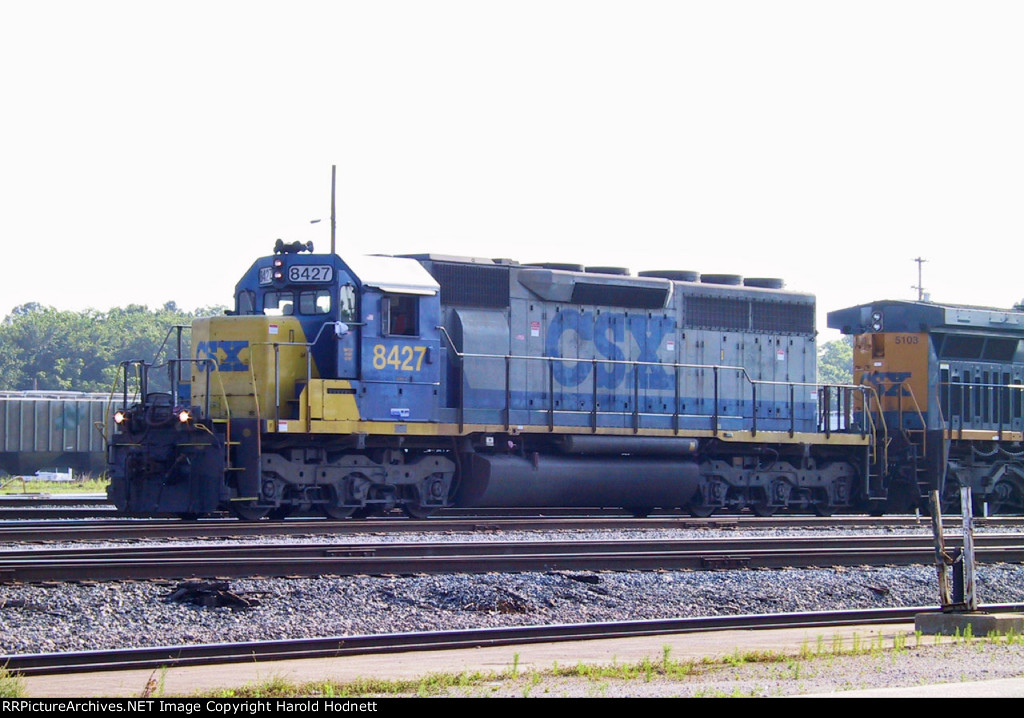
(399, 358)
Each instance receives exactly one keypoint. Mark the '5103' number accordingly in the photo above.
(405, 358)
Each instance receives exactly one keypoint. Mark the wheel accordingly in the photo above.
(700, 510)
(1006, 499)
(250, 512)
(281, 512)
(640, 512)
(338, 512)
(759, 508)
(418, 511)
(369, 511)
(823, 510)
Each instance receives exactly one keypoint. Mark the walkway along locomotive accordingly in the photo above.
(359, 385)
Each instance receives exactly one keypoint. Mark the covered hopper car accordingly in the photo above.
(53, 430)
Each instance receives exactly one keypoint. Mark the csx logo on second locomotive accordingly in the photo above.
(227, 353)
(889, 383)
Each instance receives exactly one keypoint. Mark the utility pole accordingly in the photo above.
(334, 224)
(920, 285)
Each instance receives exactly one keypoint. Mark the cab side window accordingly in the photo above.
(401, 315)
(347, 303)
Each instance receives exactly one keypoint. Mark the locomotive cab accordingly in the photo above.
(309, 332)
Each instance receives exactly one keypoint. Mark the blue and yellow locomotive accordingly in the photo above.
(353, 386)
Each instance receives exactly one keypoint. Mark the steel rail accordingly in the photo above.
(335, 646)
(218, 528)
(292, 560)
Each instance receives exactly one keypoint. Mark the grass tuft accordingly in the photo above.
(11, 684)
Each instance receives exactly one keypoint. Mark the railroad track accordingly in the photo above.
(132, 529)
(301, 559)
(208, 654)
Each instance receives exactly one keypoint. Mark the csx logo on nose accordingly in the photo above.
(227, 354)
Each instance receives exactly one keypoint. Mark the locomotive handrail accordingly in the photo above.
(277, 367)
(108, 406)
(635, 366)
(211, 361)
(917, 406)
(742, 370)
(174, 370)
(920, 415)
(953, 421)
(869, 394)
(174, 327)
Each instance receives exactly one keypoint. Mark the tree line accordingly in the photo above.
(43, 348)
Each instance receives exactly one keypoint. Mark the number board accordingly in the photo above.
(310, 273)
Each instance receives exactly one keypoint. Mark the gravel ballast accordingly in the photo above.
(75, 617)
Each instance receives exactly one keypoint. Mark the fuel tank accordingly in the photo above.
(506, 481)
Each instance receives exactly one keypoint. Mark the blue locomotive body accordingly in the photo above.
(361, 384)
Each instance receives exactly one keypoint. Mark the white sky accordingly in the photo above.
(151, 151)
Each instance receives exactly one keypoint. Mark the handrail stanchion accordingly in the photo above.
(675, 404)
(714, 415)
(792, 411)
(551, 394)
(999, 410)
(753, 409)
(508, 392)
(827, 409)
(277, 387)
(636, 398)
(462, 393)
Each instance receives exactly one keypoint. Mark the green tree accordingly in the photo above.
(50, 349)
(835, 361)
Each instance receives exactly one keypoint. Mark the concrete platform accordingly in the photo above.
(977, 624)
(188, 680)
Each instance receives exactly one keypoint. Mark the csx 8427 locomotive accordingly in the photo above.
(355, 386)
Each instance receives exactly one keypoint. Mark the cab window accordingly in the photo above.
(400, 315)
(245, 303)
(315, 302)
(278, 304)
(347, 303)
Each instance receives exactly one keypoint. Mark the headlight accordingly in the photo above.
(119, 417)
(184, 415)
(876, 321)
